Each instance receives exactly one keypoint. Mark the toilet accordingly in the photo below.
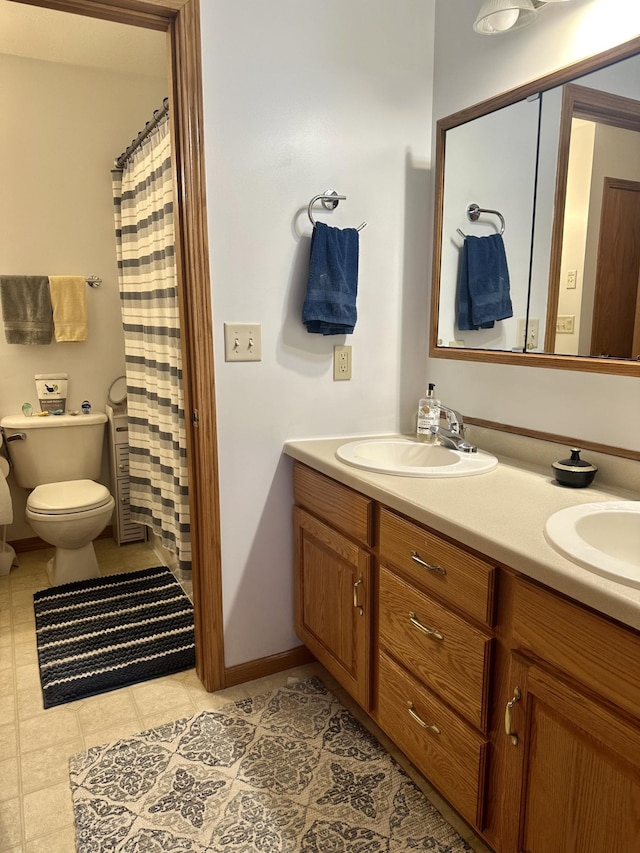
(58, 458)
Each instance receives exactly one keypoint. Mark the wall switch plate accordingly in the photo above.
(242, 342)
(531, 339)
(565, 324)
(341, 363)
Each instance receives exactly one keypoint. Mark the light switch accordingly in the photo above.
(242, 342)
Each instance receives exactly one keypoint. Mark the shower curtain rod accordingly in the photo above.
(158, 115)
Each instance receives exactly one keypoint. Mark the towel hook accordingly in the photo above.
(329, 200)
(474, 211)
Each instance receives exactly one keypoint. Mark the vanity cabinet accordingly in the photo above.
(520, 706)
(573, 722)
(333, 575)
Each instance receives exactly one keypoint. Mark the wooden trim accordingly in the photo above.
(181, 20)
(588, 364)
(199, 383)
(556, 438)
(152, 14)
(259, 668)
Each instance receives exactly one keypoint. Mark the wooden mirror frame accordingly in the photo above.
(568, 74)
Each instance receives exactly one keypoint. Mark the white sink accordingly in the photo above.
(602, 537)
(413, 458)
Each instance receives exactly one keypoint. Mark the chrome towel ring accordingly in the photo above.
(329, 201)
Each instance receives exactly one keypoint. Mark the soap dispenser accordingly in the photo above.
(428, 415)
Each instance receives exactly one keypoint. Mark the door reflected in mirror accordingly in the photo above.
(594, 292)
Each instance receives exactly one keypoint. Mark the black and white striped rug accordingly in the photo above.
(110, 632)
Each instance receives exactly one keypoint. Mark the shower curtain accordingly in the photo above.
(143, 200)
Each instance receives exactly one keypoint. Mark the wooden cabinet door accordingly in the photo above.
(573, 768)
(333, 603)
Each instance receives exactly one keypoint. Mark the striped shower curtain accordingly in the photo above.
(143, 199)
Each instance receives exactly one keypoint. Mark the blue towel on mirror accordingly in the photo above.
(330, 303)
(483, 287)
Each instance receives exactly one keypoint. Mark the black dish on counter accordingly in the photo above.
(574, 472)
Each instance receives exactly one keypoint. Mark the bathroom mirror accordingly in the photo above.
(548, 157)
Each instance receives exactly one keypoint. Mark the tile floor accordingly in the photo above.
(35, 744)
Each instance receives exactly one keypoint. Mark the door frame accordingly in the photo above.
(180, 19)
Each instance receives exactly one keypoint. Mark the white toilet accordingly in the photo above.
(58, 457)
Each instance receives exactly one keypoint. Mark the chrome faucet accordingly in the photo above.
(453, 436)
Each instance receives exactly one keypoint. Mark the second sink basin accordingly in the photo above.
(602, 537)
(413, 459)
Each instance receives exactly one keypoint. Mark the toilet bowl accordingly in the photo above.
(69, 515)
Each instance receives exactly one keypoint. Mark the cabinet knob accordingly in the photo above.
(430, 632)
(517, 695)
(415, 716)
(430, 567)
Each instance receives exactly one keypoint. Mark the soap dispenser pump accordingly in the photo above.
(428, 415)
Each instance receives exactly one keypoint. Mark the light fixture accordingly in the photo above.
(498, 16)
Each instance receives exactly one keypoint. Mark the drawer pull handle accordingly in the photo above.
(428, 566)
(430, 632)
(430, 726)
(517, 695)
(357, 606)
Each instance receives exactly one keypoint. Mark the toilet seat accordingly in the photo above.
(67, 497)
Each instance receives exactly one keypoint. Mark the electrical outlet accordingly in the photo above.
(242, 342)
(565, 324)
(572, 279)
(341, 363)
(531, 340)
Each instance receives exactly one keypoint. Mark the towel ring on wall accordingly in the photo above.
(473, 212)
(329, 201)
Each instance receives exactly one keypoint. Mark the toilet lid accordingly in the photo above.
(72, 496)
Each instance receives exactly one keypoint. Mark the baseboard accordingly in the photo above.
(35, 543)
(260, 667)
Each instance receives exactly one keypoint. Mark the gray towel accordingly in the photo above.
(26, 309)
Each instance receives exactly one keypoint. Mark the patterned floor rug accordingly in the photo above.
(290, 771)
(110, 632)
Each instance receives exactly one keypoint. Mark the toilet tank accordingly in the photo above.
(54, 448)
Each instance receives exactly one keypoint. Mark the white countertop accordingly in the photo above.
(502, 514)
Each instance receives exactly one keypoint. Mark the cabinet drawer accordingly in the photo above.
(449, 753)
(344, 509)
(438, 566)
(120, 427)
(122, 460)
(596, 652)
(447, 654)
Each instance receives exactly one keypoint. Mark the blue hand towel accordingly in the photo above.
(26, 309)
(483, 291)
(330, 304)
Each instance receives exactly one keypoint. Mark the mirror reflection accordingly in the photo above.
(562, 165)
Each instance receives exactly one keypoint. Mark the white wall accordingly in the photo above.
(62, 127)
(469, 68)
(300, 97)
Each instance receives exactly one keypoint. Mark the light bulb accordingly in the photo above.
(501, 21)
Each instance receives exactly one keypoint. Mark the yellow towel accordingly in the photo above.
(69, 302)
